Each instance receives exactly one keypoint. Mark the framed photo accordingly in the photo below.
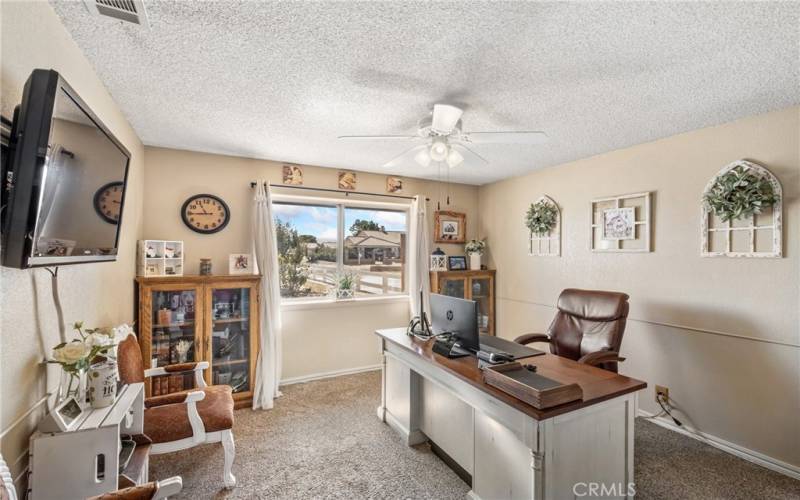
(347, 181)
(292, 175)
(239, 263)
(450, 227)
(619, 224)
(394, 184)
(457, 263)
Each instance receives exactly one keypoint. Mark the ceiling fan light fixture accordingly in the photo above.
(423, 158)
(454, 158)
(439, 151)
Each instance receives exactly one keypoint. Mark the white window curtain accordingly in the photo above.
(419, 256)
(265, 251)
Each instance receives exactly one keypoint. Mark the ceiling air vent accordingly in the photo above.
(131, 11)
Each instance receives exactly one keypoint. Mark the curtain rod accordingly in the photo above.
(346, 193)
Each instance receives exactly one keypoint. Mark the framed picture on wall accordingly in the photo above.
(347, 181)
(619, 224)
(450, 227)
(394, 184)
(292, 175)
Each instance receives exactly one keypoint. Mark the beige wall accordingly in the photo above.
(100, 294)
(743, 390)
(316, 340)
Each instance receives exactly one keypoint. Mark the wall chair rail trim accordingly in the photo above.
(673, 325)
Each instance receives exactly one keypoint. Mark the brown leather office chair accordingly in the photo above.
(588, 327)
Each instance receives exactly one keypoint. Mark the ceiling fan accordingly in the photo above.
(445, 142)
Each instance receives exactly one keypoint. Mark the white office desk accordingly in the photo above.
(511, 449)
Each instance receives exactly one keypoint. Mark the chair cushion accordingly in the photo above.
(170, 422)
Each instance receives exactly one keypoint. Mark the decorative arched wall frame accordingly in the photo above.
(549, 244)
(756, 236)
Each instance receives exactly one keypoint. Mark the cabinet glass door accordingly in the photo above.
(480, 292)
(453, 287)
(173, 338)
(230, 338)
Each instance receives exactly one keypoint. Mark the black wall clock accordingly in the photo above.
(108, 202)
(205, 213)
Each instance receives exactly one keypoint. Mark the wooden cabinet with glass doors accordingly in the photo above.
(470, 285)
(200, 318)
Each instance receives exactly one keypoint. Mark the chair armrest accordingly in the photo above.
(168, 487)
(599, 357)
(197, 368)
(174, 398)
(532, 337)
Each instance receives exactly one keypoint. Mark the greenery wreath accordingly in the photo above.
(740, 192)
(542, 217)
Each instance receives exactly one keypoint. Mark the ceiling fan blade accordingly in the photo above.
(504, 137)
(445, 118)
(469, 155)
(377, 137)
(405, 158)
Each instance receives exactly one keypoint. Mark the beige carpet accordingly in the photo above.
(323, 440)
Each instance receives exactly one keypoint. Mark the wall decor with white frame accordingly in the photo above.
(757, 235)
(546, 244)
(621, 223)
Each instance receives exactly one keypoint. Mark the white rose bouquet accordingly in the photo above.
(76, 355)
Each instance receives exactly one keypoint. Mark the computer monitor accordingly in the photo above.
(458, 317)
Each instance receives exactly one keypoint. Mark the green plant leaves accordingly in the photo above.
(739, 193)
(541, 217)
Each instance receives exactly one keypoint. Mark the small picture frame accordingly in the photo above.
(239, 263)
(394, 184)
(450, 227)
(347, 181)
(457, 263)
(292, 175)
(619, 224)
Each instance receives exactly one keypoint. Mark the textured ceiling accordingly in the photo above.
(283, 80)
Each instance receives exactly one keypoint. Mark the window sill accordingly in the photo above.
(326, 303)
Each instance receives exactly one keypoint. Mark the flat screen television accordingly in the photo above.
(66, 177)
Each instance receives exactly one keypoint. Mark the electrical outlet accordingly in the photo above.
(664, 391)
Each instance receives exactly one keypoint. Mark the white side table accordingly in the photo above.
(85, 461)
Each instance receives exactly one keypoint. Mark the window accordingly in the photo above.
(322, 246)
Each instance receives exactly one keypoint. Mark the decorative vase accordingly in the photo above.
(475, 261)
(103, 384)
(72, 385)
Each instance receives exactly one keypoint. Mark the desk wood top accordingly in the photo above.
(597, 384)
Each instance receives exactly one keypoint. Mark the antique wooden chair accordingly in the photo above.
(182, 419)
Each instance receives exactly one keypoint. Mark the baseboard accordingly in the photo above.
(755, 457)
(331, 374)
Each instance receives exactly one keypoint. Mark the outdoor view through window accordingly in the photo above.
(371, 261)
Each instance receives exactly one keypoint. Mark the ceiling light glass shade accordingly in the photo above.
(454, 158)
(423, 158)
(439, 151)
